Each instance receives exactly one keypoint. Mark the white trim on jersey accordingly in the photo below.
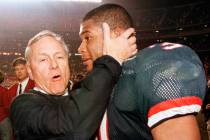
(103, 131)
(154, 119)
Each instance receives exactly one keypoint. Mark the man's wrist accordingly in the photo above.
(110, 63)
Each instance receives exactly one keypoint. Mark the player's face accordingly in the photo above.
(21, 72)
(49, 65)
(91, 46)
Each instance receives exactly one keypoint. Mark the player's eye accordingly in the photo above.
(87, 38)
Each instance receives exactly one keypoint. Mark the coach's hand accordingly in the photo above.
(121, 47)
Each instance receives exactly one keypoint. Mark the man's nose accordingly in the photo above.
(82, 48)
(54, 63)
(18, 71)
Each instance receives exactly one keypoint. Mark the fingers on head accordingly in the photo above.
(132, 40)
(128, 32)
(133, 47)
(106, 30)
(134, 52)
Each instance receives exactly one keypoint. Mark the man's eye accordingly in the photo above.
(87, 38)
(60, 57)
(42, 60)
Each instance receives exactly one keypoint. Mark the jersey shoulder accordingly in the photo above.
(169, 76)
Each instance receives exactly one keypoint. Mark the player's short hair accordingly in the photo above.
(113, 14)
(18, 61)
(42, 34)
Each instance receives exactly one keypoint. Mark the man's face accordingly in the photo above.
(91, 46)
(49, 66)
(21, 72)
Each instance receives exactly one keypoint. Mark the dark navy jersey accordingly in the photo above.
(161, 82)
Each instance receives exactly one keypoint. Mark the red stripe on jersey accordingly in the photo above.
(178, 102)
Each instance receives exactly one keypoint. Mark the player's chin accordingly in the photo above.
(88, 65)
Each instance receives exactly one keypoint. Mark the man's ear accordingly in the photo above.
(29, 71)
(116, 32)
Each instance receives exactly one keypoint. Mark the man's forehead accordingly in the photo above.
(45, 50)
(20, 65)
(89, 26)
(44, 42)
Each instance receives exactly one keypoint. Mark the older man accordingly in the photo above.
(55, 112)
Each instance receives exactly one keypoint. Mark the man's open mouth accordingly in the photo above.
(56, 77)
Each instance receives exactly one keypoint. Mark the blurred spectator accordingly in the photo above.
(3, 132)
(24, 85)
(206, 108)
(184, 15)
(2, 89)
(24, 82)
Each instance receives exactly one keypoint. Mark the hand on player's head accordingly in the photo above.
(121, 47)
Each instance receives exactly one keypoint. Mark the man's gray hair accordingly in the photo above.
(40, 35)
